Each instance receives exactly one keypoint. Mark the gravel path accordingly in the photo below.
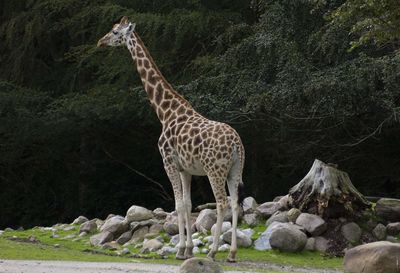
(14, 266)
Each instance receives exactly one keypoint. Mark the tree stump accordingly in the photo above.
(328, 192)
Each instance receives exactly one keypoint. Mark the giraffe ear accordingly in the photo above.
(124, 21)
(131, 27)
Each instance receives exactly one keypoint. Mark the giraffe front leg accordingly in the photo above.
(175, 179)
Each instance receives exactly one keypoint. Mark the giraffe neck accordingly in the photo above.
(167, 103)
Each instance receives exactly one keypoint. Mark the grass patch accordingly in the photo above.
(50, 248)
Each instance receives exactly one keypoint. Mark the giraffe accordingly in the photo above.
(190, 144)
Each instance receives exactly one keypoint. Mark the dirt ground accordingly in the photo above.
(13, 266)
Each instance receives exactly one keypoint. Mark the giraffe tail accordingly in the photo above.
(241, 193)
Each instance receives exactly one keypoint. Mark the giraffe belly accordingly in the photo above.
(195, 168)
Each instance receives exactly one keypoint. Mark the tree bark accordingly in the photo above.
(328, 192)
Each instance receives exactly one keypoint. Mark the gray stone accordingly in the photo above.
(171, 223)
(267, 209)
(248, 231)
(379, 232)
(393, 229)
(156, 228)
(80, 220)
(200, 265)
(69, 237)
(197, 242)
(225, 227)
(284, 202)
(138, 213)
(160, 214)
(146, 223)
(124, 238)
(310, 245)
(288, 239)
(352, 232)
(279, 216)
(205, 220)
(116, 225)
(111, 246)
(292, 214)
(88, 227)
(167, 250)
(139, 235)
(249, 205)
(243, 239)
(321, 244)
(313, 224)
(151, 245)
(262, 243)
(174, 240)
(251, 219)
(69, 228)
(377, 257)
(83, 234)
(224, 248)
(101, 238)
(388, 209)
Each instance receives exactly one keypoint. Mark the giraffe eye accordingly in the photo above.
(115, 33)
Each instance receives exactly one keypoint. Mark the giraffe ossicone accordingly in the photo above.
(190, 144)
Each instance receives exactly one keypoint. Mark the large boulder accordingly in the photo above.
(388, 209)
(243, 239)
(352, 232)
(137, 214)
(313, 224)
(377, 257)
(88, 226)
(249, 205)
(321, 244)
(206, 219)
(263, 243)
(171, 223)
(267, 209)
(288, 239)
(116, 225)
(251, 219)
(101, 238)
(124, 238)
(151, 246)
(200, 265)
(139, 235)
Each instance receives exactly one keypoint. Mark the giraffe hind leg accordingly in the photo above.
(186, 186)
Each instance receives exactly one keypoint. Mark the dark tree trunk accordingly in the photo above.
(328, 192)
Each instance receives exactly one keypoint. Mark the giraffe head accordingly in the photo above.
(118, 34)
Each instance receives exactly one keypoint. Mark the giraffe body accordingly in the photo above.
(190, 144)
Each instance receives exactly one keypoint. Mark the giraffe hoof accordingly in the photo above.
(231, 260)
(211, 256)
(180, 257)
(189, 253)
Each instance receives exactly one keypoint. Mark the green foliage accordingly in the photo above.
(76, 130)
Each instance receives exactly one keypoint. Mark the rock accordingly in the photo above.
(352, 232)
(171, 223)
(146, 223)
(125, 237)
(88, 227)
(151, 245)
(267, 209)
(292, 214)
(125, 251)
(321, 244)
(206, 220)
(69, 237)
(160, 214)
(137, 213)
(82, 234)
(101, 238)
(200, 265)
(196, 250)
(251, 219)
(284, 201)
(379, 232)
(109, 216)
(208, 240)
(80, 220)
(111, 246)
(313, 224)
(139, 235)
(243, 239)
(156, 228)
(393, 229)
(377, 257)
(174, 240)
(224, 248)
(262, 243)
(225, 227)
(310, 245)
(288, 239)
(116, 225)
(167, 250)
(69, 228)
(391, 239)
(249, 205)
(10, 229)
(248, 231)
(279, 216)
(205, 251)
(388, 209)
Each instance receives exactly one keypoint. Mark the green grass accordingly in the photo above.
(68, 250)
